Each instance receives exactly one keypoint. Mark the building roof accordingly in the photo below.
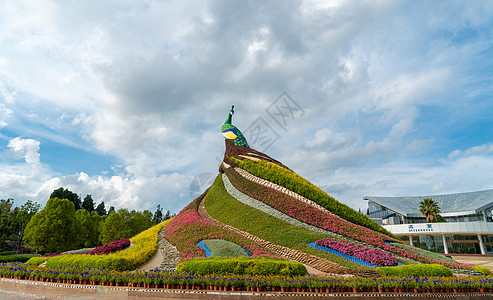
(451, 205)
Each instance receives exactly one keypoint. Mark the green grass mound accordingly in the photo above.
(418, 270)
(145, 246)
(222, 248)
(243, 266)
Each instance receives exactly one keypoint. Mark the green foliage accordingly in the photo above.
(418, 270)
(124, 224)
(100, 209)
(62, 193)
(55, 228)
(88, 203)
(158, 215)
(14, 221)
(429, 209)
(483, 270)
(301, 186)
(36, 261)
(242, 265)
(17, 258)
(94, 261)
(219, 204)
(89, 221)
(222, 248)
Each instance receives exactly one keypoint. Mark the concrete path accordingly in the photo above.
(152, 263)
(480, 260)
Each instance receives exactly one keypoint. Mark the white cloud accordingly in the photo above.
(150, 84)
(473, 151)
(26, 149)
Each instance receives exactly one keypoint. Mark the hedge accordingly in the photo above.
(242, 266)
(417, 270)
(18, 258)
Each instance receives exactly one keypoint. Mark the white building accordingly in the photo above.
(468, 227)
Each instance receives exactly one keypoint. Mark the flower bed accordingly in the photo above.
(333, 223)
(169, 280)
(188, 228)
(373, 256)
(114, 246)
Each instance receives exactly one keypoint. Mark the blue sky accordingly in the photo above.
(124, 100)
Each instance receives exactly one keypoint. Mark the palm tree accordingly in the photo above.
(429, 209)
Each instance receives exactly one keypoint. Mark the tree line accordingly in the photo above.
(67, 223)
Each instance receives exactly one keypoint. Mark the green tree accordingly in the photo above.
(88, 203)
(89, 233)
(124, 224)
(22, 218)
(62, 193)
(112, 209)
(100, 209)
(158, 215)
(168, 215)
(55, 228)
(5, 219)
(113, 228)
(429, 209)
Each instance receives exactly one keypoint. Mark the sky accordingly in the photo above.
(124, 100)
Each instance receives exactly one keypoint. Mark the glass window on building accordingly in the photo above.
(429, 242)
(465, 244)
(489, 214)
(488, 243)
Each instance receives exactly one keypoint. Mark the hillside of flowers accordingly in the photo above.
(373, 256)
(299, 185)
(333, 223)
(187, 228)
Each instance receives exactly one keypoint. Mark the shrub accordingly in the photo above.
(415, 270)
(242, 265)
(17, 258)
(36, 261)
(483, 270)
